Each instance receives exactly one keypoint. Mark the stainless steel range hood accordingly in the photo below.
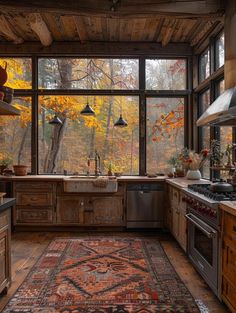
(222, 112)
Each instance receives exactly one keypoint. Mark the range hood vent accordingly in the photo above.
(222, 112)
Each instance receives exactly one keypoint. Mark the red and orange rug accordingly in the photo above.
(102, 276)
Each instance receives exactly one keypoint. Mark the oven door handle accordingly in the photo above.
(201, 225)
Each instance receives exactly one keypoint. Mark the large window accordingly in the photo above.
(68, 146)
(165, 132)
(62, 86)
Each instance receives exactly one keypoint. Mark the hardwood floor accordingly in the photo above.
(27, 247)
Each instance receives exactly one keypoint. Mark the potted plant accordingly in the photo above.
(20, 170)
(5, 161)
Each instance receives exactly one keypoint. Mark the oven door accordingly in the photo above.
(203, 249)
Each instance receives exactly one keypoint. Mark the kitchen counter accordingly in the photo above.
(182, 182)
(61, 178)
(5, 203)
(229, 206)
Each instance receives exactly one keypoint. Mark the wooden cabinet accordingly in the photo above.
(229, 260)
(5, 255)
(70, 210)
(35, 203)
(88, 210)
(176, 220)
(105, 211)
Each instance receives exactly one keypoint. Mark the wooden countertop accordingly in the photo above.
(6, 203)
(229, 206)
(61, 178)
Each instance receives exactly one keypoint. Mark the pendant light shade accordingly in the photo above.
(87, 110)
(121, 122)
(55, 121)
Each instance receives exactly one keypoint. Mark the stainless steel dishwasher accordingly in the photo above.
(145, 205)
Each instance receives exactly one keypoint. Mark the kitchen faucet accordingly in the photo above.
(97, 164)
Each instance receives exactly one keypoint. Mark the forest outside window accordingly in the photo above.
(19, 71)
(204, 65)
(165, 132)
(204, 132)
(81, 73)
(219, 51)
(68, 146)
(15, 134)
(166, 74)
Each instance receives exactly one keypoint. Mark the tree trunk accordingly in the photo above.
(20, 152)
(56, 142)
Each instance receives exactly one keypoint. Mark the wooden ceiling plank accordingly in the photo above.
(70, 27)
(6, 31)
(104, 29)
(137, 31)
(150, 28)
(52, 25)
(125, 8)
(187, 30)
(21, 27)
(113, 30)
(169, 31)
(158, 29)
(81, 29)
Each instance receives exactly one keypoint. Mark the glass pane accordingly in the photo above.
(74, 73)
(203, 245)
(68, 146)
(165, 132)
(204, 65)
(220, 51)
(19, 72)
(204, 132)
(15, 134)
(165, 74)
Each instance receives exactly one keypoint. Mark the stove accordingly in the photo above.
(203, 216)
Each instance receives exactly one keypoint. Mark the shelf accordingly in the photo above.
(8, 109)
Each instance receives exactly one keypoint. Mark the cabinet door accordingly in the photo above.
(175, 222)
(4, 259)
(70, 210)
(107, 211)
(229, 259)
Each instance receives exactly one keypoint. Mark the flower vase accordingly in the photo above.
(194, 174)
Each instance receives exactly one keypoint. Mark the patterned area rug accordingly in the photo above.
(102, 275)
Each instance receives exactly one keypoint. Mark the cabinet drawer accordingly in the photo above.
(3, 259)
(230, 226)
(33, 215)
(29, 186)
(229, 293)
(33, 198)
(4, 219)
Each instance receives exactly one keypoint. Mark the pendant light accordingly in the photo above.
(55, 121)
(87, 110)
(121, 122)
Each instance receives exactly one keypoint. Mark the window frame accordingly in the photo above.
(141, 92)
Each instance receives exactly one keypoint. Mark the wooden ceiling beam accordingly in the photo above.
(125, 8)
(81, 29)
(40, 28)
(6, 31)
(97, 49)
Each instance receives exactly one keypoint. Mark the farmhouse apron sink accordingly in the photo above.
(90, 184)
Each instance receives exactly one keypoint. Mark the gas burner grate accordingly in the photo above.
(205, 191)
